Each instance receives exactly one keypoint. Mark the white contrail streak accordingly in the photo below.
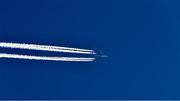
(45, 48)
(29, 57)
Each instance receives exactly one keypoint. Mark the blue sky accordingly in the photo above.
(140, 38)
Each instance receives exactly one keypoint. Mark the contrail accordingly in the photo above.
(29, 57)
(45, 48)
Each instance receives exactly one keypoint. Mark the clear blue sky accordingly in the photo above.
(140, 38)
